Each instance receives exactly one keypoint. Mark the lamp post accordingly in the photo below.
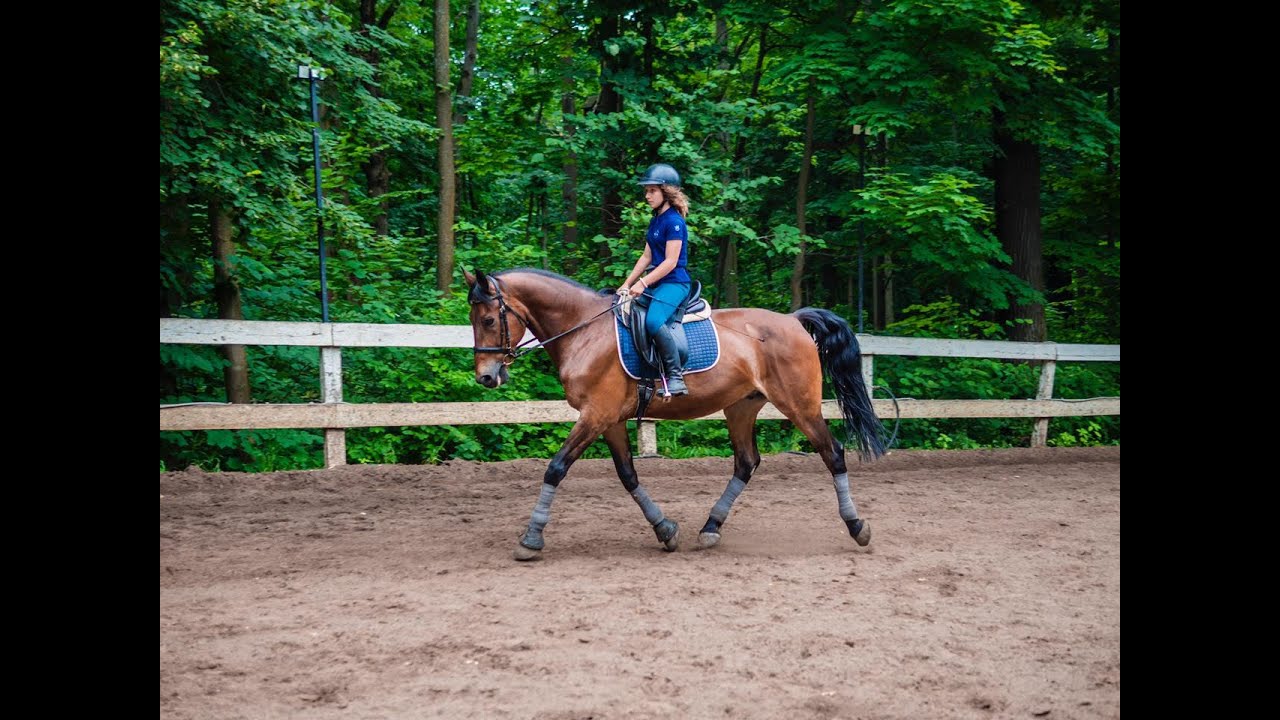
(862, 183)
(315, 75)
(335, 439)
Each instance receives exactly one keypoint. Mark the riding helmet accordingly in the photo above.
(660, 174)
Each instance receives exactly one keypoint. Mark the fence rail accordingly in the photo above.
(334, 416)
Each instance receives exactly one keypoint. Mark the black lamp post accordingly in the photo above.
(306, 72)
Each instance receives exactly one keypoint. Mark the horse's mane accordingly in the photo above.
(553, 276)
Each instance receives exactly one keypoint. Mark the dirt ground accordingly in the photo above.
(991, 589)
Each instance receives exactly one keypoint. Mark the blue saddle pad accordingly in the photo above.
(704, 349)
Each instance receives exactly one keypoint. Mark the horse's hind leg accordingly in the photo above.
(668, 531)
(810, 422)
(741, 418)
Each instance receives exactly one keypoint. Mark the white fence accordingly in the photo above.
(333, 415)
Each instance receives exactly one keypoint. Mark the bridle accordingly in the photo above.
(511, 354)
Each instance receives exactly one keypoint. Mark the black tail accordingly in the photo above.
(842, 360)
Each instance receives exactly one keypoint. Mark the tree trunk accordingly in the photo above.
(569, 190)
(377, 175)
(610, 102)
(877, 322)
(741, 150)
(468, 64)
(829, 281)
(226, 290)
(1017, 197)
(462, 103)
(727, 273)
(650, 47)
(802, 188)
(850, 301)
(726, 277)
(889, 318)
(542, 228)
(882, 314)
(378, 180)
(727, 266)
(448, 182)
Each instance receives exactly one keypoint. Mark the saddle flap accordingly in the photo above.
(641, 336)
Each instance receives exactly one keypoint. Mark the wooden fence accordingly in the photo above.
(333, 415)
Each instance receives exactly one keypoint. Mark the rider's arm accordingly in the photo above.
(638, 270)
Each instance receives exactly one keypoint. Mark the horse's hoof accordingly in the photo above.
(668, 532)
(861, 531)
(528, 551)
(523, 553)
(708, 540)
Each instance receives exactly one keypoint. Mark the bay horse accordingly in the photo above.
(764, 357)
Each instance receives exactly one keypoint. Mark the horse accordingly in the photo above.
(765, 356)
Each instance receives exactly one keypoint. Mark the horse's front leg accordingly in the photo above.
(584, 432)
(668, 531)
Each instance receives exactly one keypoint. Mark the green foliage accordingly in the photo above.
(242, 450)
(940, 225)
(924, 83)
(1090, 434)
(945, 318)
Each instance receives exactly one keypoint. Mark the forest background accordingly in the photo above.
(965, 152)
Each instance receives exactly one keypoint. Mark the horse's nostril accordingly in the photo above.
(485, 379)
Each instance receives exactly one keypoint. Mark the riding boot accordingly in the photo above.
(669, 352)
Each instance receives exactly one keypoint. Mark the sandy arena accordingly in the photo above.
(990, 589)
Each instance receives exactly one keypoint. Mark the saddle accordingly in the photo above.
(631, 316)
(691, 309)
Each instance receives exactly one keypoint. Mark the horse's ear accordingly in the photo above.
(484, 283)
(471, 279)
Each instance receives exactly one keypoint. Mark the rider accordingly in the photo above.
(667, 248)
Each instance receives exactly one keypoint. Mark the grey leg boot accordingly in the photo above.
(669, 353)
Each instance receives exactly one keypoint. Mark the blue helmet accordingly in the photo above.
(660, 174)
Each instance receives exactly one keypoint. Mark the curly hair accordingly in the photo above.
(675, 196)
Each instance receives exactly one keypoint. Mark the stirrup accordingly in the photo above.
(667, 394)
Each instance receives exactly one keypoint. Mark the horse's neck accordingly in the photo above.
(555, 308)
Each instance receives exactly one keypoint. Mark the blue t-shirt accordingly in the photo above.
(669, 226)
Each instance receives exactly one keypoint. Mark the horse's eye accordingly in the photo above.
(488, 322)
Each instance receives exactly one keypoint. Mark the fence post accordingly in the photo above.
(647, 438)
(1040, 433)
(868, 373)
(335, 439)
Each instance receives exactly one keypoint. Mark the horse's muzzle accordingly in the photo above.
(493, 375)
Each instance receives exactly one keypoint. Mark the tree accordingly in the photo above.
(802, 188)
(377, 175)
(448, 180)
(467, 77)
(1017, 197)
(227, 290)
